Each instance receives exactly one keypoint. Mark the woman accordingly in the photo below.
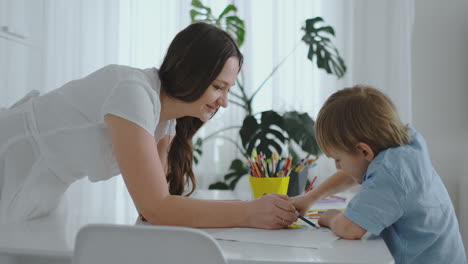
(135, 122)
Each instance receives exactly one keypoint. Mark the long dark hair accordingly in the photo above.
(194, 59)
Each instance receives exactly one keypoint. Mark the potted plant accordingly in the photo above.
(269, 131)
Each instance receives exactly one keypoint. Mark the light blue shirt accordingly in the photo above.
(403, 199)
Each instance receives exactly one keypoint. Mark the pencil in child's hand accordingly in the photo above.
(307, 221)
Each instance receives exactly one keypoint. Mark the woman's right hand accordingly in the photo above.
(271, 211)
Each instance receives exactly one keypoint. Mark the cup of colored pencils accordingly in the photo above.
(299, 175)
(271, 175)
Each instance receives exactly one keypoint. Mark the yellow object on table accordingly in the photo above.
(262, 185)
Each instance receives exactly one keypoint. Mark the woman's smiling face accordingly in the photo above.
(217, 93)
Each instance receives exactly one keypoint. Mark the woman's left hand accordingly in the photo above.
(271, 211)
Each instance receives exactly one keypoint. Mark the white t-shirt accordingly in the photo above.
(72, 133)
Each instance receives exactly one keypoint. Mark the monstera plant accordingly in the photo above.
(269, 131)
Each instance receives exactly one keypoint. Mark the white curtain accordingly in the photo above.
(381, 48)
(373, 37)
(80, 37)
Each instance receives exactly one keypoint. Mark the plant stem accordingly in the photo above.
(236, 95)
(235, 143)
(219, 131)
(245, 98)
(241, 87)
(273, 71)
(238, 104)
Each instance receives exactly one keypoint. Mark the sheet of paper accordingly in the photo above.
(293, 237)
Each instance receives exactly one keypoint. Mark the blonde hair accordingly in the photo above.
(359, 114)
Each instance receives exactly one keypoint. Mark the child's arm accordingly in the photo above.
(338, 182)
(341, 225)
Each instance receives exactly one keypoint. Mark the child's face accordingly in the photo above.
(353, 164)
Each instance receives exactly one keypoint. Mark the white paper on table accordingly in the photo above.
(310, 237)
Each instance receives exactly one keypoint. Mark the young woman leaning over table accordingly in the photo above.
(135, 122)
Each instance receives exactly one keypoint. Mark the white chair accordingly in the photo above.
(118, 244)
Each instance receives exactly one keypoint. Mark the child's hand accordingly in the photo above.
(326, 218)
(302, 203)
(341, 225)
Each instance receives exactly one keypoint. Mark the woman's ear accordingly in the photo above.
(366, 151)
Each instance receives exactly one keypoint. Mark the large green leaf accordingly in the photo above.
(301, 129)
(236, 171)
(264, 136)
(227, 20)
(269, 133)
(218, 186)
(328, 57)
(236, 26)
(197, 150)
(200, 12)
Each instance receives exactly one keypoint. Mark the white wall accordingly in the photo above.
(440, 93)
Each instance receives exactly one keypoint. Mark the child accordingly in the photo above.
(402, 198)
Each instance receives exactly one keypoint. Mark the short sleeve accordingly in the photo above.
(134, 101)
(378, 203)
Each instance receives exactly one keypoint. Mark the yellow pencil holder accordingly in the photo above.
(269, 185)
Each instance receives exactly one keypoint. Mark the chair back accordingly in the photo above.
(119, 244)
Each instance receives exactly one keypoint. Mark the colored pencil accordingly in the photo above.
(307, 221)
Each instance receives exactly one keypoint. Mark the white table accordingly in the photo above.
(51, 239)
